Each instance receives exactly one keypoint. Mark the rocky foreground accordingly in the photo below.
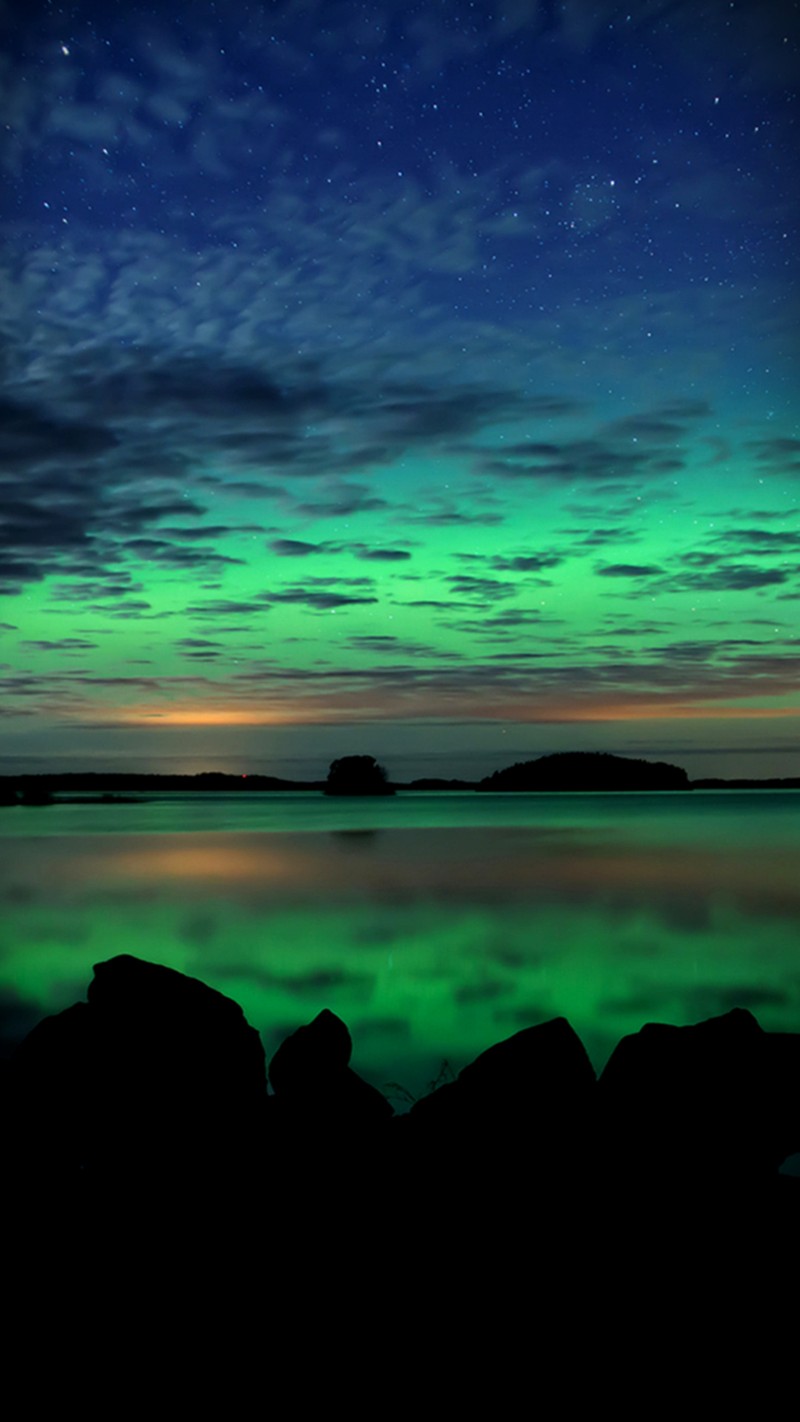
(144, 1153)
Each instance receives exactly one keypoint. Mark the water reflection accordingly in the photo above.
(431, 943)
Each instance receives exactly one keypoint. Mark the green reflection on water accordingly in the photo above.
(431, 943)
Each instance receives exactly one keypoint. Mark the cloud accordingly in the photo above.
(629, 570)
(527, 563)
(341, 500)
(226, 607)
(65, 644)
(321, 602)
(482, 589)
(442, 517)
(32, 435)
(118, 441)
(760, 540)
(210, 302)
(616, 455)
(157, 550)
(777, 455)
(400, 647)
(732, 577)
(294, 548)
(380, 555)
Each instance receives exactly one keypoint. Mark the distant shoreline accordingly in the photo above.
(39, 787)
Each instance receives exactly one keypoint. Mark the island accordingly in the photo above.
(357, 775)
(587, 770)
(582, 771)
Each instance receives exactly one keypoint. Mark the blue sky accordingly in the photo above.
(411, 377)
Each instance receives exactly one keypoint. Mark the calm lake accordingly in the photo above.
(433, 924)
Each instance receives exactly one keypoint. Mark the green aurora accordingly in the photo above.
(433, 395)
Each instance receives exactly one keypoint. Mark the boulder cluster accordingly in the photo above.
(158, 1080)
(167, 1208)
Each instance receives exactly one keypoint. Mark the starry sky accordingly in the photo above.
(418, 379)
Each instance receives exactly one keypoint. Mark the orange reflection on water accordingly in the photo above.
(214, 861)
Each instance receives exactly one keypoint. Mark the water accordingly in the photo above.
(434, 924)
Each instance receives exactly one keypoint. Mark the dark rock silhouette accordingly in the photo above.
(140, 1141)
(155, 1073)
(519, 1114)
(587, 770)
(357, 775)
(684, 1107)
(314, 1084)
(156, 1065)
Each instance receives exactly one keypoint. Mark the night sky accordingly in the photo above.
(417, 379)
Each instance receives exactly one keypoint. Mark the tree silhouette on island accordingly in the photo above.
(357, 775)
(587, 770)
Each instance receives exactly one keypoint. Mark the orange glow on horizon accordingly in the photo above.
(517, 713)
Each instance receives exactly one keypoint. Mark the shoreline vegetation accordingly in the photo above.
(576, 772)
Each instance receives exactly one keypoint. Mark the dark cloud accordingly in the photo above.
(632, 458)
(400, 647)
(778, 455)
(527, 563)
(31, 436)
(112, 589)
(86, 457)
(621, 535)
(212, 391)
(738, 577)
(629, 570)
(66, 644)
(319, 601)
(158, 550)
(294, 548)
(126, 608)
(446, 518)
(226, 607)
(760, 540)
(305, 420)
(382, 555)
(484, 589)
(543, 687)
(342, 500)
(513, 619)
(203, 533)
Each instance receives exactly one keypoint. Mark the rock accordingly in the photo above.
(313, 1081)
(156, 1074)
(310, 1055)
(520, 1111)
(691, 1107)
